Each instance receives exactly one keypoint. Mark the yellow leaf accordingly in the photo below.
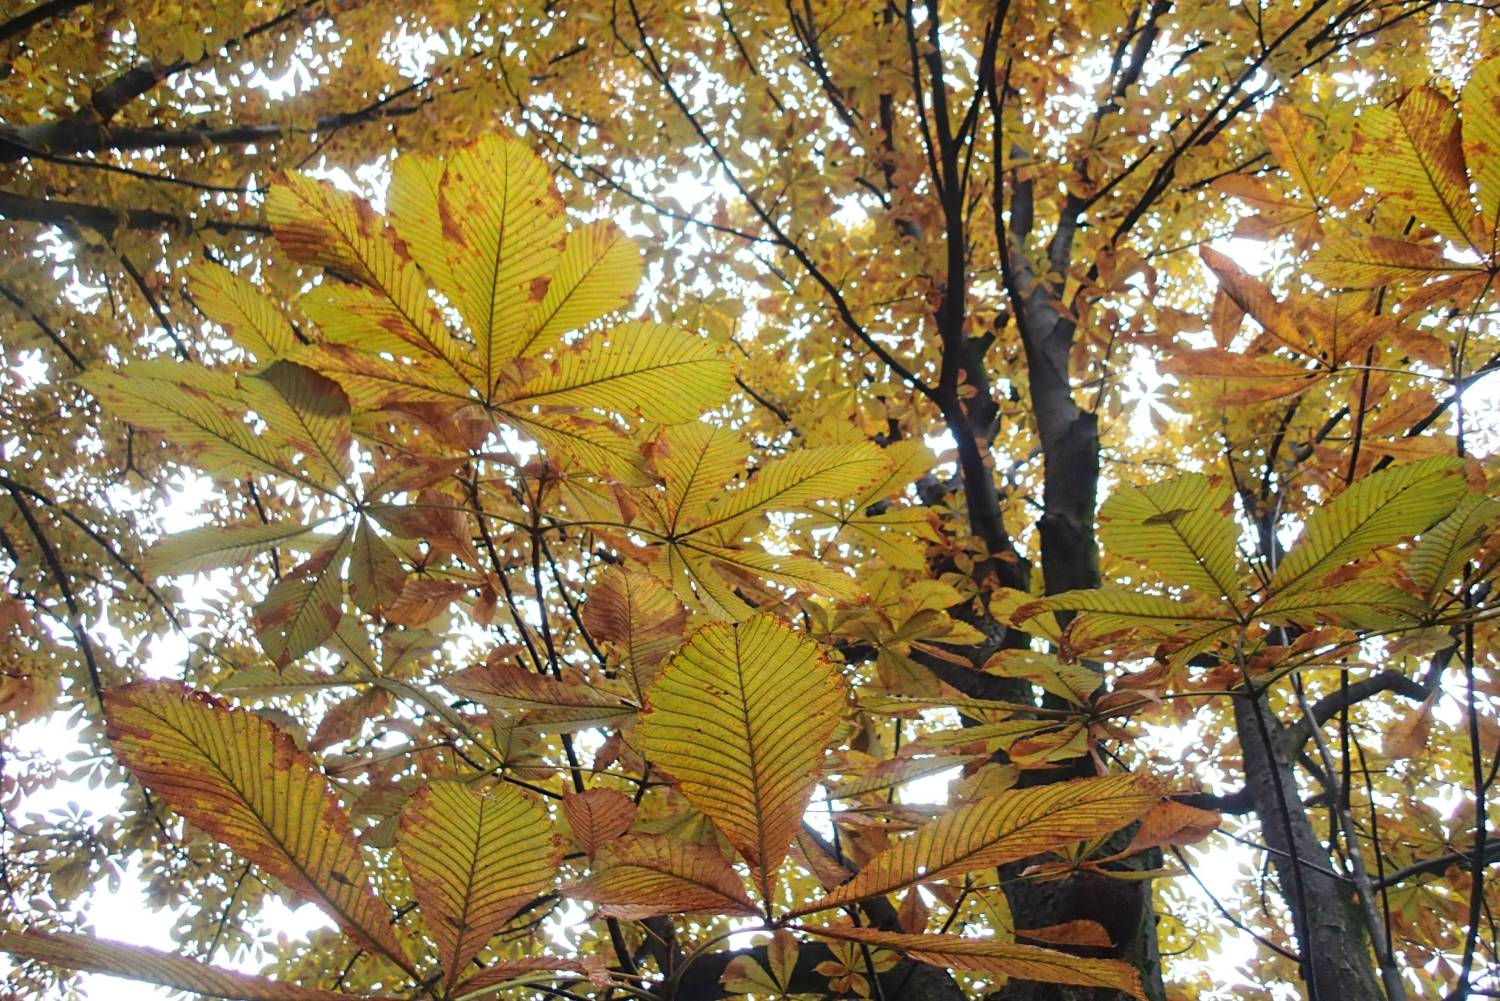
(1414, 156)
(244, 782)
(1183, 528)
(598, 271)
(656, 371)
(1004, 828)
(504, 226)
(474, 859)
(250, 318)
(1376, 511)
(738, 719)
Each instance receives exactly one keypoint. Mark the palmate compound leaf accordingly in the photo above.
(739, 719)
(474, 858)
(645, 875)
(1378, 510)
(237, 777)
(118, 959)
(1183, 528)
(999, 829)
(999, 959)
(486, 226)
(698, 518)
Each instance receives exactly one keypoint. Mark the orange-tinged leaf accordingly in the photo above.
(1172, 823)
(1000, 959)
(544, 700)
(1372, 261)
(643, 875)
(508, 971)
(640, 617)
(738, 719)
(302, 609)
(1414, 155)
(1080, 932)
(1407, 736)
(332, 229)
(474, 859)
(597, 816)
(118, 959)
(1004, 828)
(243, 781)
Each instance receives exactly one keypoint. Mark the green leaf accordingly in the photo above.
(1441, 552)
(1182, 528)
(1379, 510)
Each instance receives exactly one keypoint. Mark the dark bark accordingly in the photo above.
(24, 22)
(1331, 935)
(106, 220)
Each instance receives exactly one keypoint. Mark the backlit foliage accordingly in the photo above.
(561, 489)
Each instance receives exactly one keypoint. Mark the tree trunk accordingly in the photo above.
(1334, 943)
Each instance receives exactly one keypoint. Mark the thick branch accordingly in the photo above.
(106, 220)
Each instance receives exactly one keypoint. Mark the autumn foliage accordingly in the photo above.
(585, 593)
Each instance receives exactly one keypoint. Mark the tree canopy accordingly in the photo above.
(734, 499)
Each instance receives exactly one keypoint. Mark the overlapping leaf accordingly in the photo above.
(118, 959)
(1004, 828)
(1376, 511)
(474, 859)
(243, 781)
(644, 875)
(1183, 528)
(738, 719)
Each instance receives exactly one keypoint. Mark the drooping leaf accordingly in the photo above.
(643, 875)
(999, 959)
(213, 546)
(136, 962)
(738, 719)
(1003, 828)
(474, 858)
(244, 782)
